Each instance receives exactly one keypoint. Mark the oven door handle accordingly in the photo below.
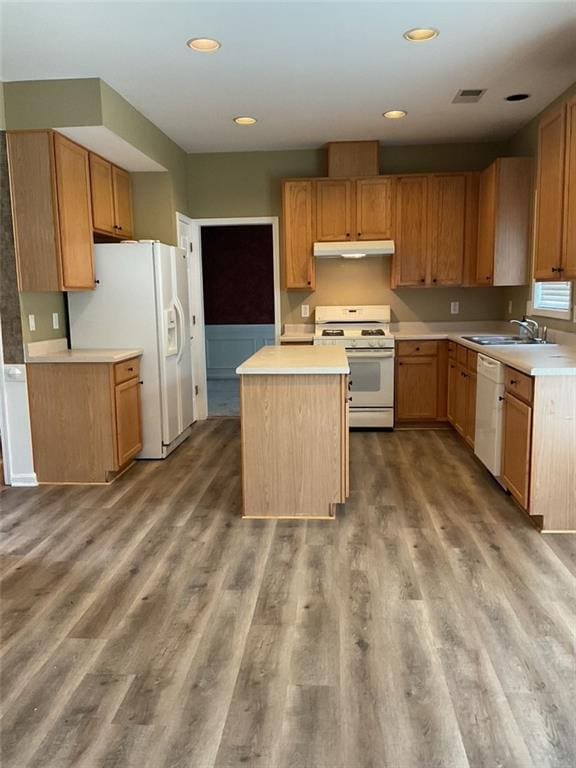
(372, 354)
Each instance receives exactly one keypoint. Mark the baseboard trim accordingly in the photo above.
(24, 481)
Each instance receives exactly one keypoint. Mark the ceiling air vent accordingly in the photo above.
(469, 96)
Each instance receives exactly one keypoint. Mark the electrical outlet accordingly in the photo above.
(305, 310)
(32, 322)
(454, 307)
(55, 320)
(509, 307)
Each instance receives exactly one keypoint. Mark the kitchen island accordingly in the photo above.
(294, 424)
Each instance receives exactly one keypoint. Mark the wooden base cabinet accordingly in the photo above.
(462, 390)
(516, 441)
(420, 383)
(85, 419)
(294, 444)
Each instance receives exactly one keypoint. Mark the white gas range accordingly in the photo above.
(365, 333)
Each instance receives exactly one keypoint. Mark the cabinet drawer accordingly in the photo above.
(127, 369)
(415, 348)
(452, 349)
(519, 384)
(462, 355)
(471, 360)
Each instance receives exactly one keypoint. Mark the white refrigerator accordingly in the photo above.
(141, 300)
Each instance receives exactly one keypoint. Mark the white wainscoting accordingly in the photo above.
(229, 345)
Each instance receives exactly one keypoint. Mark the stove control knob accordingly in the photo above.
(353, 342)
(372, 343)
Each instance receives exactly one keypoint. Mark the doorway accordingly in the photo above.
(234, 279)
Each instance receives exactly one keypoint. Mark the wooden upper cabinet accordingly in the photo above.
(550, 189)
(111, 198)
(102, 194)
(447, 228)
(569, 260)
(374, 208)
(298, 234)
(74, 213)
(411, 233)
(504, 212)
(333, 209)
(122, 202)
(486, 226)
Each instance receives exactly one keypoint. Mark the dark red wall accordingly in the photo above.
(237, 267)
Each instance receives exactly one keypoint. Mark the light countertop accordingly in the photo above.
(296, 360)
(85, 356)
(536, 360)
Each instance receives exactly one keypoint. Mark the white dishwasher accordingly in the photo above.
(489, 413)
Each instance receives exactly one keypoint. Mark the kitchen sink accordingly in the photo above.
(497, 341)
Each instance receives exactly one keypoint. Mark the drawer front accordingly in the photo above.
(452, 349)
(472, 360)
(519, 384)
(462, 355)
(127, 369)
(416, 348)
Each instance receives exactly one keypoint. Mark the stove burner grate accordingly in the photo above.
(372, 332)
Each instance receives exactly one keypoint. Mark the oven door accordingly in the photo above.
(371, 381)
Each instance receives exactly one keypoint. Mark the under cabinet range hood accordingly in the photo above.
(353, 249)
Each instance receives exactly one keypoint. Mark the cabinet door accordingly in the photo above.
(298, 235)
(102, 194)
(516, 440)
(374, 208)
(486, 226)
(333, 209)
(410, 266)
(122, 202)
(470, 415)
(453, 376)
(549, 200)
(460, 400)
(416, 388)
(128, 427)
(74, 213)
(569, 261)
(447, 212)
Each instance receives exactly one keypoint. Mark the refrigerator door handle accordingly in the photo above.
(180, 315)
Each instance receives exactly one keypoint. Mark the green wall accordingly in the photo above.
(42, 305)
(231, 184)
(2, 110)
(525, 143)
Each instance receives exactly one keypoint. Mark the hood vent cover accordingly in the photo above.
(349, 249)
(469, 96)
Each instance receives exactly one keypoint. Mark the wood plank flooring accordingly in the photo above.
(145, 624)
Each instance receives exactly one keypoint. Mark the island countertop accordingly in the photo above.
(297, 360)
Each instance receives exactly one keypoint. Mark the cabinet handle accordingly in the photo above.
(434, 280)
(350, 384)
(557, 269)
(513, 382)
(417, 349)
(359, 234)
(399, 363)
(347, 234)
(500, 397)
(422, 279)
(120, 228)
(130, 369)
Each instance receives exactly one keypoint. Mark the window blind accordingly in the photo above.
(553, 295)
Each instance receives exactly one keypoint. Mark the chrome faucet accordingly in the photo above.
(532, 328)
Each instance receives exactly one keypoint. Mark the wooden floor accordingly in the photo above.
(146, 624)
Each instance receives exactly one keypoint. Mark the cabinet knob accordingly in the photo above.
(434, 280)
(557, 269)
(500, 397)
(400, 363)
(130, 369)
(513, 382)
(359, 234)
(422, 279)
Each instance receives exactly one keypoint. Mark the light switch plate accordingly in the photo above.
(510, 307)
(32, 322)
(55, 320)
(305, 310)
(454, 307)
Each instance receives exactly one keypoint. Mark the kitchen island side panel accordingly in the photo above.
(291, 445)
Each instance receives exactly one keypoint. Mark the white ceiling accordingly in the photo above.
(310, 72)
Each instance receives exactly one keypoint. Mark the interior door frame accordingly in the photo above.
(197, 292)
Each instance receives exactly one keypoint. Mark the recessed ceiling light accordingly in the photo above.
(203, 44)
(395, 114)
(421, 34)
(518, 97)
(245, 120)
